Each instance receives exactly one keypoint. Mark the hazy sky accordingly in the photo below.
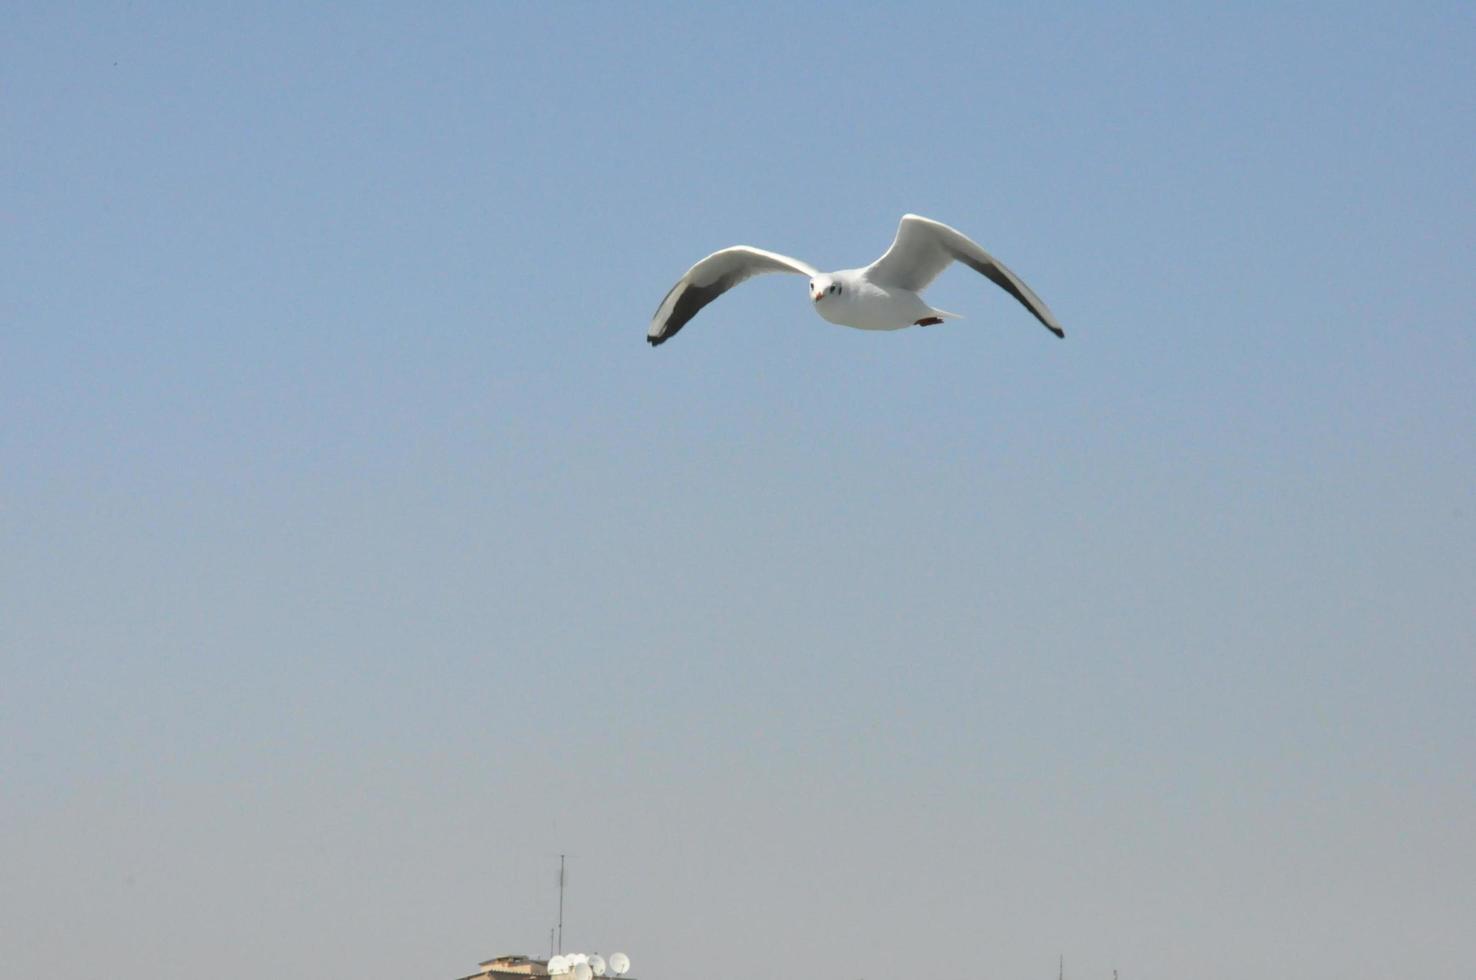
(359, 556)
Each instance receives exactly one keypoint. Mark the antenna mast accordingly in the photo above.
(561, 903)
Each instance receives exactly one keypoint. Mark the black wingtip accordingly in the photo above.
(1058, 332)
(655, 341)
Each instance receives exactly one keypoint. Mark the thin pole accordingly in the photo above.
(561, 903)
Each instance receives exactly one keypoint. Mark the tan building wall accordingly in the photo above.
(513, 967)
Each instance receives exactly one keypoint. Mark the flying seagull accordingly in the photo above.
(882, 296)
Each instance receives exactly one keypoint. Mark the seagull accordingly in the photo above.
(882, 296)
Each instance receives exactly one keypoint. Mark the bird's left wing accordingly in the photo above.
(709, 279)
(923, 248)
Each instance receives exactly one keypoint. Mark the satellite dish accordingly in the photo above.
(557, 965)
(597, 964)
(619, 964)
(576, 958)
(583, 972)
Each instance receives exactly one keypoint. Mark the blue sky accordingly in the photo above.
(360, 557)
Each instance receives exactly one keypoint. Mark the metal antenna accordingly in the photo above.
(561, 903)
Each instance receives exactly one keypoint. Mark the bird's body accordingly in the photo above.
(866, 305)
(885, 295)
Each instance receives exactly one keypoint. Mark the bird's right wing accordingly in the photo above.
(709, 279)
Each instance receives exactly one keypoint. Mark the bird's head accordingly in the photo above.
(823, 286)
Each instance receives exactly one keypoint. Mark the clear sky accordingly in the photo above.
(359, 556)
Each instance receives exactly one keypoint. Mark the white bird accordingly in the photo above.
(882, 296)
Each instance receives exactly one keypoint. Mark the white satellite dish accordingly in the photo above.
(576, 958)
(597, 964)
(558, 965)
(619, 964)
(583, 972)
